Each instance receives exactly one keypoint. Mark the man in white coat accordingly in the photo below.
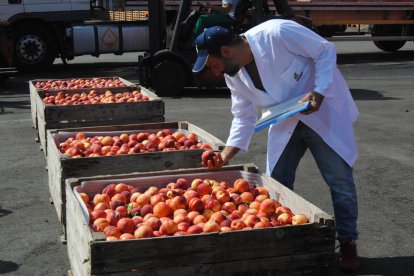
(270, 64)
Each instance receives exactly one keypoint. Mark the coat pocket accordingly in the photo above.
(293, 74)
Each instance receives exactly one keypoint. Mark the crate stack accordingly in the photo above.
(47, 116)
(286, 249)
(128, 15)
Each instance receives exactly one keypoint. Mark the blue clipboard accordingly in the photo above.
(280, 112)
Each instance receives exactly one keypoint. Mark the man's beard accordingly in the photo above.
(231, 67)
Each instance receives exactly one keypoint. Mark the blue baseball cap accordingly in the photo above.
(210, 42)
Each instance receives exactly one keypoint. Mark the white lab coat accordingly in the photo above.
(291, 61)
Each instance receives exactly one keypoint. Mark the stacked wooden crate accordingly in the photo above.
(46, 116)
(62, 166)
(128, 15)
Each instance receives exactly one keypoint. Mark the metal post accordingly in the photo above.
(183, 10)
(156, 25)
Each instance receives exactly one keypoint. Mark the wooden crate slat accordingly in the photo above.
(271, 242)
(77, 241)
(101, 112)
(54, 170)
(86, 124)
(32, 92)
(294, 265)
(154, 161)
(249, 167)
(125, 127)
(196, 250)
(210, 248)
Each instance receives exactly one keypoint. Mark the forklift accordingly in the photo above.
(167, 70)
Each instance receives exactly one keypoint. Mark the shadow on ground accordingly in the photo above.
(365, 94)
(393, 266)
(6, 267)
(5, 105)
(4, 212)
(379, 57)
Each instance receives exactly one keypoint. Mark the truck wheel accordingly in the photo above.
(168, 78)
(390, 46)
(35, 48)
(388, 30)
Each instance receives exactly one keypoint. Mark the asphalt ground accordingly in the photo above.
(381, 84)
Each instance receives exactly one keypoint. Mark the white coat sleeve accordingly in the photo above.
(242, 126)
(302, 41)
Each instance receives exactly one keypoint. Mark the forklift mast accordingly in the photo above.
(167, 68)
(157, 33)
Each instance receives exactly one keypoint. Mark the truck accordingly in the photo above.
(46, 29)
(389, 23)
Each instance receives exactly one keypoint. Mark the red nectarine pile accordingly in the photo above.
(79, 83)
(142, 142)
(93, 97)
(122, 211)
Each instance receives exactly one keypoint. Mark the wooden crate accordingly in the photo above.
(34, 93)
(128, 15)
(73, 116)
(61, 167)
(286, 250)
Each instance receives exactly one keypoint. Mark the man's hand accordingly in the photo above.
(316, 102)
(228, 153)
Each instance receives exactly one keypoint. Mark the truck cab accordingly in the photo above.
(46, 29)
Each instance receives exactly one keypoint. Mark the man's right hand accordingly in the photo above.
(228, 153)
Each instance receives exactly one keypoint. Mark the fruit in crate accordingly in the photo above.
(81, 145)
(79, 83)
(81, 98)
(184, 207)
(299, 219)
(211, 159)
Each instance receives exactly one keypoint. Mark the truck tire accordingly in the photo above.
(34, 46)
(388, 30)
(168, 78)
(390, 46)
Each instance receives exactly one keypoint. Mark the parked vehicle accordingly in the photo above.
(44, 30)
(391, 22)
